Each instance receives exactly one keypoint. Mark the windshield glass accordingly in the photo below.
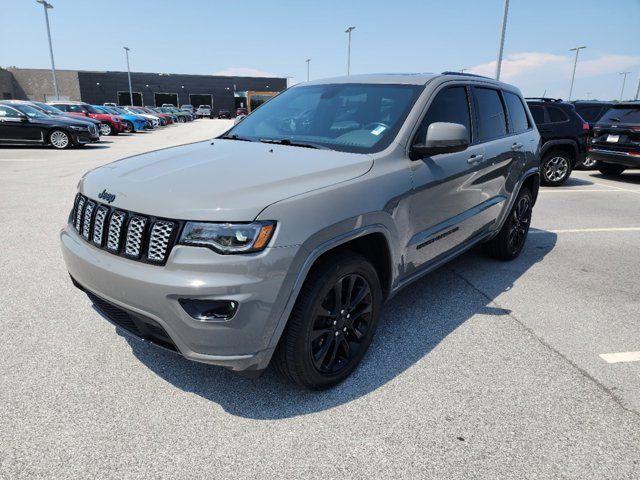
(48, 108)
(30, 111)
(359, 118)
(91, 109)
(622, 114)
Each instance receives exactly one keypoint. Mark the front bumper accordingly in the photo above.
(261, 284)
(614, 157)
(82, 138)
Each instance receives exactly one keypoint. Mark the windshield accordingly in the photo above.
(48, 108)
(90, 109)
(30, 111)
(622, 114)
(101, 110)
(359, 118)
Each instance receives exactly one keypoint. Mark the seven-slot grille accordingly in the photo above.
(138, 237)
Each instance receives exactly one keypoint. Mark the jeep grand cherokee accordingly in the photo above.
(282, 239)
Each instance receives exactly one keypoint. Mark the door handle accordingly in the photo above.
(475, 159)
(516, 146)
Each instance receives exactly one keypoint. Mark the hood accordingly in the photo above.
(60, 120)
(78, 119)
(225, 181)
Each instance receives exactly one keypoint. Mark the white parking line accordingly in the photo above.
(617, 188)
(588, 230)
(590, 190)
(620, 357)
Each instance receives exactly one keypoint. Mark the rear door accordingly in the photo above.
(446, 194)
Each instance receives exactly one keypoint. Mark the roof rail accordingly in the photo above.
(464, 74)
(544, 99)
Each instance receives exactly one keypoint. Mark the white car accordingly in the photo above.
(204, 111)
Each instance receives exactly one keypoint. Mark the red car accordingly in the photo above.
(109, 124)
(168, 120)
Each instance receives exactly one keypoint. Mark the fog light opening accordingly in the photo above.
(209, 310)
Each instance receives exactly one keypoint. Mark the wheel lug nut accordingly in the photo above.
(348, 315)
(337, 333)
(334, 322)
(341, 312)
(344, 329)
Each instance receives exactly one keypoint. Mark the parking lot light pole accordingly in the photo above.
(624, 80)
(308, 60)
(126, 49)
(348, 32)
(505, 13)
(575, 63)
(46, 7)
(637, 90)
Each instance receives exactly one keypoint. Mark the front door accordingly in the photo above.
(16, 126)
(447, 188)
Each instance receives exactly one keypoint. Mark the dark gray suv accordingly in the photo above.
(283, 238)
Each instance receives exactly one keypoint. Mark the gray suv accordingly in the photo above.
(282, 239)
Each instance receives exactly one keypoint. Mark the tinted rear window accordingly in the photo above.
(556, 115)
(622, 115)
(517, 114)
(492, 122)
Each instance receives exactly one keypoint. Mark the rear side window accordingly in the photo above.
(75, 108)
(8, 112)
(537, 112)
(517, 114)
(590, 113)
(556, 115)
(492, 121)
(450, 105)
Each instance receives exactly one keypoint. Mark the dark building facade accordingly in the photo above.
(148, 88)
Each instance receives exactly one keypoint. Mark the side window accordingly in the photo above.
(8, 112)
(62, 107)
(537, 112)
(492, 121)
(75, 108)
(450, 105)
(556, 115)
(517, 114)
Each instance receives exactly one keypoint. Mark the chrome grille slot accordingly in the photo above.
(98, 224)
(159, 240)
(135, 233)
(78, 216)
(138, 237)
(115, 230)
(88, 216)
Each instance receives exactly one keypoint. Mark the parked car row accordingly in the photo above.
(585, 135)
(63, 124)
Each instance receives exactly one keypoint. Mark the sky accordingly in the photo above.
(276, 37)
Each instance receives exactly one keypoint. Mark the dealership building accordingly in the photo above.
(153, 89)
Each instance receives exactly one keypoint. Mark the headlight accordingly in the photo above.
(80, 129)
(227, 237)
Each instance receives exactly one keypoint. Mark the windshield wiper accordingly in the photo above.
(237, 137)
(615, 119)
(286, 141)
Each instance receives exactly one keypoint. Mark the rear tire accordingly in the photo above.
(106, 129)
(510, 241)
(555, 168)
(610, 170)
(332, 323)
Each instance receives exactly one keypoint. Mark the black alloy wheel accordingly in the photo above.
(332, 323)
(342, 322)
(510, 240)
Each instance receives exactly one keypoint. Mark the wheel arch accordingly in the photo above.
(569, 146)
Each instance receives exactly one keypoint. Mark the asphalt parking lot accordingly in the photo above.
(481, 370)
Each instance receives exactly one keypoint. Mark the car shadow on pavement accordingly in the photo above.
(413, 323)
(626, 177)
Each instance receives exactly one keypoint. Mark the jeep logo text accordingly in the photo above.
(106, 196)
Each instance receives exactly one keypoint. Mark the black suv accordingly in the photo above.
(615, 145)
(563, 138)
(591, 112)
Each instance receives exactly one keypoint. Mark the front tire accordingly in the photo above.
(332, 323)
(59, 139)
(128, 127)
(510, 241)
(610, 170)
(555, 168)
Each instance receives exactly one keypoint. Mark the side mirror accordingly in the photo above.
(441, 137)
(238, 119)
(86, 114)
(24, 119)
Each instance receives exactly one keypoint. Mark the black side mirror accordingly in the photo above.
(441, 137)
(24, 118)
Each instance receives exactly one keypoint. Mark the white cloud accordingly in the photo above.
(243, 72)
(525, 65)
